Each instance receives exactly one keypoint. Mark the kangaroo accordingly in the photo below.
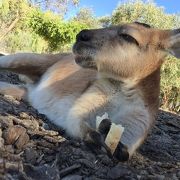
(114, 70)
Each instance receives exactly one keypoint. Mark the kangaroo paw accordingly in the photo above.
(119, 150)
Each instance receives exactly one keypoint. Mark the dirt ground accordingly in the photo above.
(32, 148)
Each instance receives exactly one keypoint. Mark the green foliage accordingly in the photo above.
(58, 6)
(16, 17)
(25, 41)
(14, 32)
(57, 32)
(10, 9)
(170, 85)
(148, 12)
(86, 16)
(105, 21)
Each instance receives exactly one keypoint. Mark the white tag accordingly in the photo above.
(113, 137)
(100, 118)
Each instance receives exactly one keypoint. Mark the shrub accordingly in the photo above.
(54, 30)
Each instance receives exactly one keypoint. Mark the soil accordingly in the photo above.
(32, 148)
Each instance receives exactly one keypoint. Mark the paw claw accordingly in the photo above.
(121, 152)
(97, 139)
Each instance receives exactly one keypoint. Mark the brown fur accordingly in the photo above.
(68, 78)
(150, 88)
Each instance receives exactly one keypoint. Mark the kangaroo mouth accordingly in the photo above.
(81, 58)
(85, 61)
(84, 54)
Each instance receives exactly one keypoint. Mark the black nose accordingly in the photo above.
(84, 35)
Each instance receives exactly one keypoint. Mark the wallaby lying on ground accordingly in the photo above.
(118, 72)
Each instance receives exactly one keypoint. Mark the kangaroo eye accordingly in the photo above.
(129, 38)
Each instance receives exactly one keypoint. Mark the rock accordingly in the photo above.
(154, 177)
(1, 142)
(5, 122)
(23, 140)
(31, 155)
(121, 171)
(27, 123)
(45, 126)
(9, 148)
(24, 115)
(73, 177)
(15, 166)
(45, 172)
(69, 170)
(1, 139)
(11, 99)
(16, 135)
(178, 174)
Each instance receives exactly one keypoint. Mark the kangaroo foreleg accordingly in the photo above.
(30, 64)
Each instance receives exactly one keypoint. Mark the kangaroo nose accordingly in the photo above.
(84, 35)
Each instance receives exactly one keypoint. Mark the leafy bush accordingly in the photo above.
(86, 16)
(14, 32)
(146, 12)
(170, 85)
(24, 41)
(52, 28)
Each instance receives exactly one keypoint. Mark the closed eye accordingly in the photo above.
(129, 38)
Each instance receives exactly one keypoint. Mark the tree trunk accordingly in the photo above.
(12, 25)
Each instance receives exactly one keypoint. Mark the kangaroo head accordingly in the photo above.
(126, 51)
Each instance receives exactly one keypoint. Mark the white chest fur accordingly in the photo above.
(54, 107)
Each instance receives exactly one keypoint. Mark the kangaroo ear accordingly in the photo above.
(174, 43)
